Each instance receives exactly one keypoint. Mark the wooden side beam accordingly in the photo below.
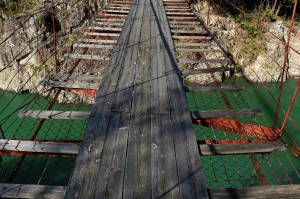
(102, 41)
(83, 56)
(105, 29)
(202, 61)
(102, 34)
(190, 23)
(31, 191)
(189, 50)
(111, 19)
(204, 70)
(71, 84)
(39, 147)
(97, 46)
(225, 113)
(74, 77)
(226, 149)
(213, 88)
(277, 191)
(191, 37)
(189, 44)
(189, 32)
(81, 115)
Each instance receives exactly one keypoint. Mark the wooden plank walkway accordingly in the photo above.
(139, 141)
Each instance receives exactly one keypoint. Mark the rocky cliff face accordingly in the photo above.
(25, 56)
(260, 58)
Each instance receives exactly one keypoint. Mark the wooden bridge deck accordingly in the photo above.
(140, 142)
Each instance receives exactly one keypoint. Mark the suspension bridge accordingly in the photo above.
(138, 140)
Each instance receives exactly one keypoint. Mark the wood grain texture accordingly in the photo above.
(213, 88)
(278, 191)
(202, 61)
(74, 77)
(38, 147)
(205, 70)
(30, 191)
(139, 141)
(225, 113)
(224, 149)
(97, 46)
(81, 56)
(82, 115)
(70, 84)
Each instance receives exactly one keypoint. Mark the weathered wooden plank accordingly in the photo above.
(75, 77)
(189, 23)
(121, 3)
(70, 84)
(117, 11)
(31, 191)
(83, 56)
(102, 23)
(202, 61)
(113, 16)
(124, 7)
(193, 50)
(191, 37)
(189, 32)
(105, 41)
(132, 167)
(141, 106)
(84, 182)
(213, 88)
(181, 18)
(82, 115)
(225, 113)
(166, 181)
(205, 70)
(102, 34)
(39, 147)
(125, 95)
(104, 29)
(98, 46)
(111, 19)
(182, 27)
(112, 184)
(180, 13)
(158, 95)
(276, 191)
(177, 7)
(225, 149)
(187, 44)
(189, 169)
(119, 6)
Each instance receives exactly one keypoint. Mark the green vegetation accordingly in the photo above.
(12, 7)
(253, 46)
(44, 67)
(249, 25)
(253, 42)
